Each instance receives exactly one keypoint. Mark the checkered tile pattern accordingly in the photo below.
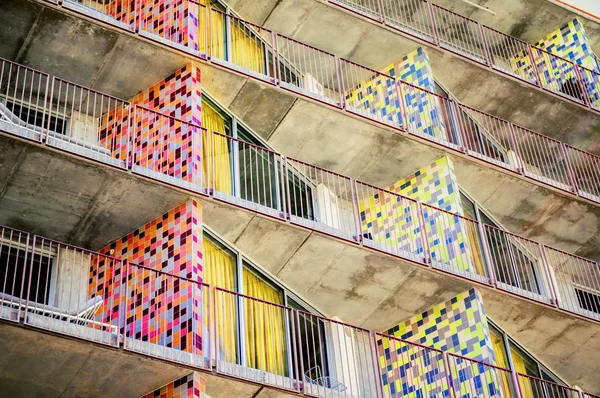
(378, 97)
(458, 326)
(172, 243)
(122, 10)
(174, 20)
(423, 110)
(114, 132)
(569, 42)
(171, 146)
(190, 386)
(388, 219)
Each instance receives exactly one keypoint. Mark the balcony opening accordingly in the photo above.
(572, 89)
(22, 278)
(588, 301)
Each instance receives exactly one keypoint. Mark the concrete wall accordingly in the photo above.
(70, 279)
(458, 326)
(190, 386)
(171, 243)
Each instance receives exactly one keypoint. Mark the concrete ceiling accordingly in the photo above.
(111, 62)
(61, 200)
(528, 20)
(316, 23)
(36, 364)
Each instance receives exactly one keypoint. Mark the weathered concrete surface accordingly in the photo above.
(360, 286)
(377, 292)
(54, 194)
(344, 34)
(112, 62)
(529, 20)
(554, 339)
(36, 364)
(370, 153)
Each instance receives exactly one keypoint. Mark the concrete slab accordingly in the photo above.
(361, 286)
(56, 195)
(272, 243)
(310, 131)
(553, 338)
(314, 22)
(36, 364)
(261, 107)
(528, 20)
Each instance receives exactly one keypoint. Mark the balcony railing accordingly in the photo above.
(95, 297)
(484, 45)
(259, 53)
(114, 132)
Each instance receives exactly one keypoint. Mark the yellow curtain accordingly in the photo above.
(213, 121)
(501, 361)
(476, 249)
(265, 347)
(219, 271)
(246, 48)
(520, 367)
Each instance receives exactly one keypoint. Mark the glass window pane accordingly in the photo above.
(468, 207)
(523, 363)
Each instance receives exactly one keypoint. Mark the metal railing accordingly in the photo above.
(184, 155)
(87, 122)
(65, 294)
(455, 244)
(181, 24)
(472, 378)
(484, 45)
(259, 53)
(95, 297)
(534, 387)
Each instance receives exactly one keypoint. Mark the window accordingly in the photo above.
(259, 172)
(311, 347)
(253, 333)
(22, 278)
(588, 301)
(259, 178)
(514, 264)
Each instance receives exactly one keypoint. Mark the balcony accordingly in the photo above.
(87, 179)
(472, 138)
(134, 314)
(470, 59)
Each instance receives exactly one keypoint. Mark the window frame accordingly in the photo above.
(541, 368)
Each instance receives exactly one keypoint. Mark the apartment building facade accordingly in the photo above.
(197, 204)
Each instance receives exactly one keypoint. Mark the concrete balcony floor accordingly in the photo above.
(38, 364)
(110, 61)
(527, 20)
(347, 35)
(70, 199)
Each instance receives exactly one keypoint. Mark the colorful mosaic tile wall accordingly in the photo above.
(174, 20)
(435, 185)
(171, 243)
(190, 386)
(458, 326)
(378, 96)
(569, 42)
(166, 145)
